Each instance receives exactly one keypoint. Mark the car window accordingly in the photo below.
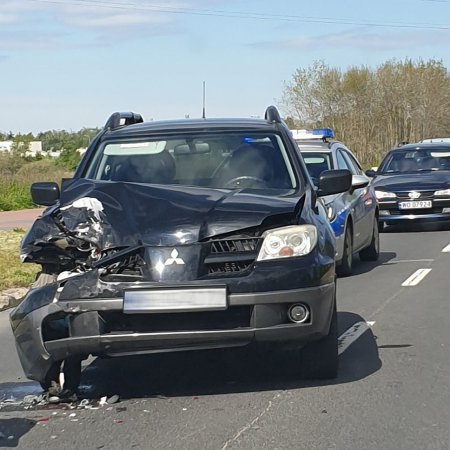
(218, 160)
(342, 163)
(356, 168)
(416, 160)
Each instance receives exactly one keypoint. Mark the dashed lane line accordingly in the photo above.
(416, 277)
(352, 334)
(446, 249)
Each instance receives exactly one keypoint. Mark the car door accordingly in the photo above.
(364, 204)
(354, 201)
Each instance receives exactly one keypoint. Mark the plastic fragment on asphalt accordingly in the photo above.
(103, 401)
(10, 437)
(113, 399)
(72, 415)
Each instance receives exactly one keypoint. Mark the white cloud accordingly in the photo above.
(360, 39)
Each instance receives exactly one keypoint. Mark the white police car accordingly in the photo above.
(353, 214)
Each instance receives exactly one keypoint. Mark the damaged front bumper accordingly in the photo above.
(49, 333)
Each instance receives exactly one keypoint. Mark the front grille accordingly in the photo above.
(228, 267)
(424, 195)
(231, 256)
(415, 212)
(234, 317)
(234, 245)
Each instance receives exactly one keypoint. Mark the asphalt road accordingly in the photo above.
(393, 390)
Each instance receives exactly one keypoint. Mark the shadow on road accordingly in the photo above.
(360, 267)
(214, 372)
(11, 430)
(407, 227)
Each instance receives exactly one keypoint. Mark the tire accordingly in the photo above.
(72, 373)
(344, 269)
(52, 376)
(372, 252)
(320, 360)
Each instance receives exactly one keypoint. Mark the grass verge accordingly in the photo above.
(14, 273)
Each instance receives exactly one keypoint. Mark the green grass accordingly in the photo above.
(14, 273)
(16, 177)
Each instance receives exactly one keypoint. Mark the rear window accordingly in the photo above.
(223, 161)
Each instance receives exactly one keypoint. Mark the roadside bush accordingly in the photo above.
(16, 179)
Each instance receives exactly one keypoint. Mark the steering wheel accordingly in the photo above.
(245, 181)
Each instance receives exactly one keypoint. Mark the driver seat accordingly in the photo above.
(248, 160)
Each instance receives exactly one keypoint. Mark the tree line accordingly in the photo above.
(66, 142)
(371, 110)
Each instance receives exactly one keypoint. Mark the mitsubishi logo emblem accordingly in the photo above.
(173, 259)
(413, 195)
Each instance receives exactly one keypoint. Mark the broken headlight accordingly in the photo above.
(287, 242)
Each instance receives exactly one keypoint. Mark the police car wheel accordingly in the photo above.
(345, 267)
(372, 252)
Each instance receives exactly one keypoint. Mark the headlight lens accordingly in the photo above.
(287, 242)
(444, 192)
(383, 194)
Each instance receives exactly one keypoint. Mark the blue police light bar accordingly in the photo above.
(324, 132)
(316, 133)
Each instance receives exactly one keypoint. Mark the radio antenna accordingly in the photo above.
(204, 110)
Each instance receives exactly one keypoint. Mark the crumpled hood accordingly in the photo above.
(427, 181)
(128, 214)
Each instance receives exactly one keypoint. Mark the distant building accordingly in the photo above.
(34, 149)
(5, 146)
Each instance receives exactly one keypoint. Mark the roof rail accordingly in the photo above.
(272, 115)
(119, 119)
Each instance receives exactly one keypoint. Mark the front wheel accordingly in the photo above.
(372, 252)
(345, 267)
(320, 359)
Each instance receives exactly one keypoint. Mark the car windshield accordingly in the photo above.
(416, 160)
(316, 163)
(217, 160)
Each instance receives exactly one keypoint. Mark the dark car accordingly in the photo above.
(181, 235)
(353, 214)
(412, 183)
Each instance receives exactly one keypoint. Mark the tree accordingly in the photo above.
(372, 110)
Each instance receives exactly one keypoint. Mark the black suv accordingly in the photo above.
(181, 235)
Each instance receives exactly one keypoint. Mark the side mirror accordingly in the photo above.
(45, 193)
(358, 182)
(334, 182)
(370, 173)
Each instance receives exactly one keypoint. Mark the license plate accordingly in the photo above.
(418, 204)
(175, 300)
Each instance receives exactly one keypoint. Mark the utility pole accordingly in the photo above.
(204, 110)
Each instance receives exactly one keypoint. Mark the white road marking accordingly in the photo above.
(446, 249)
(352, 334)
(416, 277)
(398, 261)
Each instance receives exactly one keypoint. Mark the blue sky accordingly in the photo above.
(68, 64)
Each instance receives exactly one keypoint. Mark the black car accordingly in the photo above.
(181, 235)
(412, 183)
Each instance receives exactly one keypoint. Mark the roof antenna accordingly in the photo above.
(204, 112)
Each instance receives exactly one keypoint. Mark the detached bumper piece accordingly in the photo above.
(101, 327)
